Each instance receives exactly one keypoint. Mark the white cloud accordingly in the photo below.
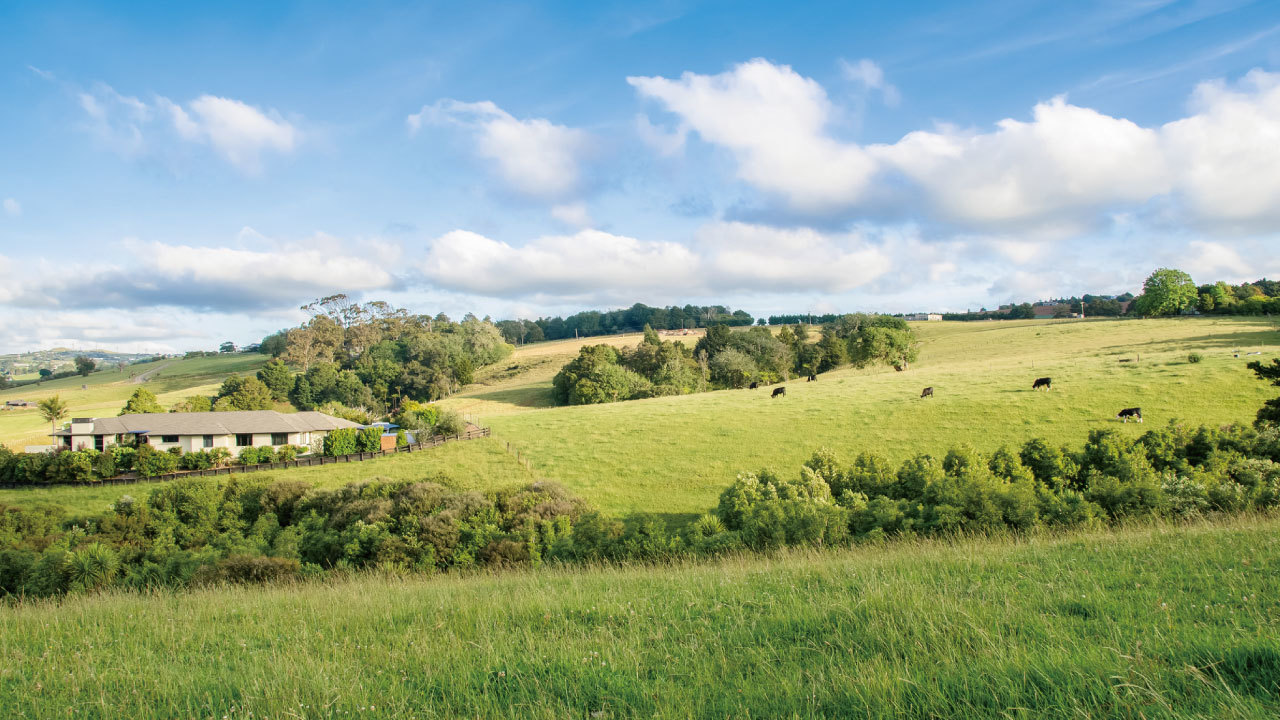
(225, 279)
(534, 157)
(870, 76)
(591, 265)
(572, 214)
(773, 120)
(239, 132)
(666, 143)
(1066, 169)
(12, 207)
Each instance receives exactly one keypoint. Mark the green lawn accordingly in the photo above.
(675, 454)
(479, 464)
(105, 393)
(1140, 623)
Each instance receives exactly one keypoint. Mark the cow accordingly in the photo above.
(812, 377)
(1042, 383)
(1127, 413)
(778, 391)
(754, 385)
(928, 392)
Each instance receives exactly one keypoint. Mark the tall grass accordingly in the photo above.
(1144, 622)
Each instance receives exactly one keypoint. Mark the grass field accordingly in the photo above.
(1139, 623)
(104, 393)
(674, 455)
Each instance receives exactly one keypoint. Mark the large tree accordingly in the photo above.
(84, 365)
(278, 378)
(1167, 292)
(142, 401)
(1270, 412)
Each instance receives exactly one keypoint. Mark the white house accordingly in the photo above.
(924, 317)
(201, 431)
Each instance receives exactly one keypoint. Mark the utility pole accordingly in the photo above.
(1082, 309)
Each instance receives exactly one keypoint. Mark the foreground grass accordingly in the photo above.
(479, 464)
(675, 454)
(104, 393)
(1149, 622)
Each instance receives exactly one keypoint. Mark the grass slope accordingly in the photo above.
(1149, 622)
(105, 393)
(675, 454)
(479, 464)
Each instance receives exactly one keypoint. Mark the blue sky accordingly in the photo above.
(171, 175)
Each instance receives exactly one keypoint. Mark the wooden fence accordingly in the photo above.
(433, 441)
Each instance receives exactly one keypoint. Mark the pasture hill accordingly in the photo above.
(105, 392)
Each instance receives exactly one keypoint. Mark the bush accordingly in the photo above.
(369, 439)
(1194, 357)
(450, 423)
(248, 569)
(150, 462)
(341, 442)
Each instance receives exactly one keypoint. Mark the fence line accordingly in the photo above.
(434, 441)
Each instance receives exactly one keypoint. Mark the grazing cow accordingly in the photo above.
(754, 385)
(1042, 383)
(1127, 413)
(778, 391)
(928, 392)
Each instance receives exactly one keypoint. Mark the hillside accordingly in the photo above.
(104, 392)
(1084, 625)
(675, 454)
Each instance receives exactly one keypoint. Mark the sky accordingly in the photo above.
(173, 175)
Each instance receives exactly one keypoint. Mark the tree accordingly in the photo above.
(278, 378)
(239, 393)
(52, 409)
(1167, 292)
(194, 403)
(45, 374)
(227, 347)
(142, 401)
(1270, 412)
(84, 365)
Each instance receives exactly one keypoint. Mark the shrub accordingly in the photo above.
(248, 569)
(450, 423)
(340, 442)
(150, 462)
(369, 439)
(1194, 357)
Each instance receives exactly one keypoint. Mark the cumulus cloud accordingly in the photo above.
(535, 157)
(596, 265)
(774, 121)
(240, 133)
(207, 278)
(12, 207)
(572, 214)
(1066, 169)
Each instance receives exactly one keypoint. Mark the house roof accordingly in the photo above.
(216, 423)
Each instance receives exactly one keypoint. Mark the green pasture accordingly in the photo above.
(104, 393)
(479, 464)
(1154, 622)
(675, 454)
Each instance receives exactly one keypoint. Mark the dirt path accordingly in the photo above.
(139, 379)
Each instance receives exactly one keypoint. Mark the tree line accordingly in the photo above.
(725, 358)
(592, 323)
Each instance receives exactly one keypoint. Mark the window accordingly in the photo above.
(168, 438)
(208, 441)
(98, 442)
(244, 439)
(279, 438)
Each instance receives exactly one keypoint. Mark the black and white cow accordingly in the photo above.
(1127, 413)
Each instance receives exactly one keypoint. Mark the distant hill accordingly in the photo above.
(59, 358)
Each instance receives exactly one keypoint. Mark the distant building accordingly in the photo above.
(201, 431)
(19, 403)
(923, 317)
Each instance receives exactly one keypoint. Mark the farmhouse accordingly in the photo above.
(924, 317)
(202, 430)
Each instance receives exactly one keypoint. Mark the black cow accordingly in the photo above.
(1127, 413)
(812, 377)
(928, 392)
(1045, 383)
(778, 391)
(754, 385)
